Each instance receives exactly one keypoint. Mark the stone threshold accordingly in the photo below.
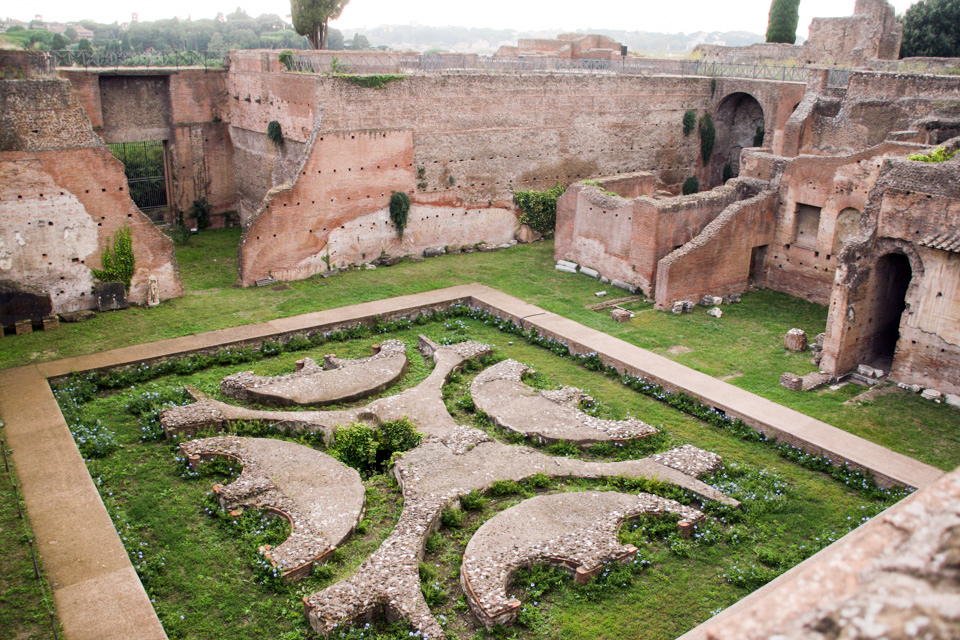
(97, 593)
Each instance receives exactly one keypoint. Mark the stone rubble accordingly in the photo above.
(791, 381)
(795, 340)
(620, 315)
(715, 312)
(337, 381)
(547, 416)
(575, 530)
(320, 497)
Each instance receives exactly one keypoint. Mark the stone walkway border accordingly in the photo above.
(96, 591)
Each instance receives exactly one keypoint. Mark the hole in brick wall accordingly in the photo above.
(49, 224)
(20, 197)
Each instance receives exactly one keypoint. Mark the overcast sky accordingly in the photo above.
(669, 16)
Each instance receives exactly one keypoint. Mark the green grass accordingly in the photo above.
(24, 604)
(745, 346)
(200, 568)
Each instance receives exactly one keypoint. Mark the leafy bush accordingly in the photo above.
(452, 518)
(505, 488)
(940, 154)
(539, 208)
(286, 59)
(118, 261)
(370, 451)
(399, 209)
(708, 137)
(689, 122)
(932, 29)
(200, 210)
(375, 81)
(274, 132)
(691, 185)
(473, 501)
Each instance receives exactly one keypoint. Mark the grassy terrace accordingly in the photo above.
(744, 347)
(189, 551)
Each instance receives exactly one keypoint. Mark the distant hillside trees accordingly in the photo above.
(932, 28)
(782, 23)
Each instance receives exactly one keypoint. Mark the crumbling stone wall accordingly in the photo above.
(186, 108)
(814, 192)
(913, 212)
(626, 239)
(62, 198)
(718, 260)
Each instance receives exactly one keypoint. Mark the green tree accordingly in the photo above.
(932, 28)
(310, 18)
(359, 42)
(70, 34)
(782, 25)
(59, 42)
(84, 45)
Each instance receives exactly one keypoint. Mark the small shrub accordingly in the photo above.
(375, 81)
(452, 518)
(940, 154)
(691, 185)
(689, 122)
(539, 208)
(118, 261)
(538, 481)
(286, 59)
(200, 210)
(708, 137)
(473, 501)
(275, 132)
(399, 209)
(369, 450)
(505, 488)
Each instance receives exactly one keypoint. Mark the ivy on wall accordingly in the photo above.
(539, 208)
(274, 132)
(399, 208)
(708, 137)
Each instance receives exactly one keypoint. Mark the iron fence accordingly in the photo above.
(143, 164)
(838, 78)
(107, 59)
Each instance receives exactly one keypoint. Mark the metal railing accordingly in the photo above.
(838, 78)
(108, 59)
(365, 64)
(323, 62)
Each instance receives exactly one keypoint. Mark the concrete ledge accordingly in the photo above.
(96, 589)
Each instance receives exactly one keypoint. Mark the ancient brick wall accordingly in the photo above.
(62, 198)
(625, 239)
(718, 261)
(187, 108)
(817, 193)
(913, 212)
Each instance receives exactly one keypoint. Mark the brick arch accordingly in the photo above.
(739, 116)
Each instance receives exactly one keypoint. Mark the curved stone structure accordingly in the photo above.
(312, 385)
(575, 530)
(547, 416)
(320, 497)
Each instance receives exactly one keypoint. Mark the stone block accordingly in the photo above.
(932, 394)
(51, 323)
(604, 280)
(620, 284)
(20, 301)
(815, 380)
(564, 268)
(329, 273)
(795, 340)
(706, 301)
(620, 315)
(733, 298)
(433, 252)
(791, 381)
(111, 296)
(416, 258)
(487, 248)
(677, 308)
(526, 234)
(715, 312)
(78, 316)
(867, 370)
(819, 339)
(23, 327)
(567, 263)
(600, 294)
(952, 400)
(689, 306)
(587, 271)
(505, 245)
(912, 388)
(389, 261)
(467, 248)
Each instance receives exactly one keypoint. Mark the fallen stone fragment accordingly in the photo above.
(565, 269)
(526, 234)
(587, 271)
(795, 340)
(791, 381)
(433, 252)
(932, 394)
(620, 284)
(568, 264)
(600, 294)
(715, 312)
(78, 316)
(621, 315)
(814, 380)
(952, 400)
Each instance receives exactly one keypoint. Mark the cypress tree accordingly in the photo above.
(782, 25)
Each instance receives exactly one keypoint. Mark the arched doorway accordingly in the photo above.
(739, 124)
(888, 290)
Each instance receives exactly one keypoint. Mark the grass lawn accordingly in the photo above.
(198, 564)
(744, 347)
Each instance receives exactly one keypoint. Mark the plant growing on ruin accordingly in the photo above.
(118, 261)
(371, 450)
(399, 209)
(783, 19)
(689, 122)
(940, 154)
(539, 208)
(727, 171)
(375, 81)
(691, 185)
(200, 210)
(274, 132)
(708, 137)
(310, 18)
(286, 59)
